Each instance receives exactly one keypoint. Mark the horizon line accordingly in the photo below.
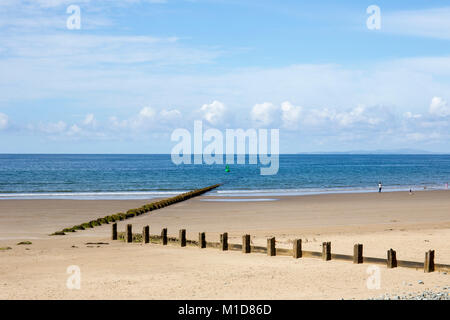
(252, 154)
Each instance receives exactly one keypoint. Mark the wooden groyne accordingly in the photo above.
(296, 252)
(137, 211)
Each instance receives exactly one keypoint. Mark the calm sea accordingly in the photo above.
(149, 176)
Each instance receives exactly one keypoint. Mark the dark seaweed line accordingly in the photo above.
(137, 211)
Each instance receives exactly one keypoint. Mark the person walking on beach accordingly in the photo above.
(379, 186)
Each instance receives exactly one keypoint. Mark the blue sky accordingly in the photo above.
(138, 69)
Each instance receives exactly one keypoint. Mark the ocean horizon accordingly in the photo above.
(147, 176)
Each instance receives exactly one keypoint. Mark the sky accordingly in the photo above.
(136, 70)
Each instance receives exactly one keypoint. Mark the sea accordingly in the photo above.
(59, 176)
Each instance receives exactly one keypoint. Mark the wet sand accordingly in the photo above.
(411, 224)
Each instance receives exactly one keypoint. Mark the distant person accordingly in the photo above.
(380, 186)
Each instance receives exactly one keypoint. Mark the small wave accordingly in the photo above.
(91, 195)
(142, 195)
(239, 200)
(312, 191)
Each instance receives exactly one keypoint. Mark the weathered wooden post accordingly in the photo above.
(297, 249)
(146, 234)
(114, 231)
(246, 244)
(201, 240)
(224, 241)
(358, 253)
(129, 234)
(164, 236)
(391, 259)
(429, 261)
(326, 251)
(271, 250)
(182, 235)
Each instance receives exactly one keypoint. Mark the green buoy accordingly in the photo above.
(227, 169)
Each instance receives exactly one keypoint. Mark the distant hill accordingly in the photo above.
(393, 151)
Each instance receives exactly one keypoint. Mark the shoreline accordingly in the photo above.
(151, 195)
(307, 214)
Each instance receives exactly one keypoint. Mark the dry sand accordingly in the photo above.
(411, 224)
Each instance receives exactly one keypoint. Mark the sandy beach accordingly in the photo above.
(409, 223)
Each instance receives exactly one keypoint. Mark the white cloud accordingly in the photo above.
(348, 118)
(50, 15)
(293, 117)
(71, 49)
(434, 23)
(317, 126)
(360, 116)
(419, 136)
(61, 66)
(169, 115)
(147, 113)
(143, 121)
(439, 107)
(89, 120)
(421, 65)
(116, 123)
(74, 130)
(264, 114)
(357, 115)
(214, 112)
(4, 120)
(148, 119)
(315, 117)
(52, 127)
(57, 3)
(290, 115)
(410, 115)
(64, 67)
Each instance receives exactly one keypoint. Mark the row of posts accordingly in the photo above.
(271, 249)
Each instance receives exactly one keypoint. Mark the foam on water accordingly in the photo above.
(239, 200)
(91, 195)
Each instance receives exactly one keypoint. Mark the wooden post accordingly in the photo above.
(182, 234)
(297, 249)
(391, 259)
(201, 240)
(129, 233)
(358, 253)
(326, 251)
(114, 231)
(271, 250)
(146, 234)
(164, 236)
(246, 244)
(224, 241)
(429, 261)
